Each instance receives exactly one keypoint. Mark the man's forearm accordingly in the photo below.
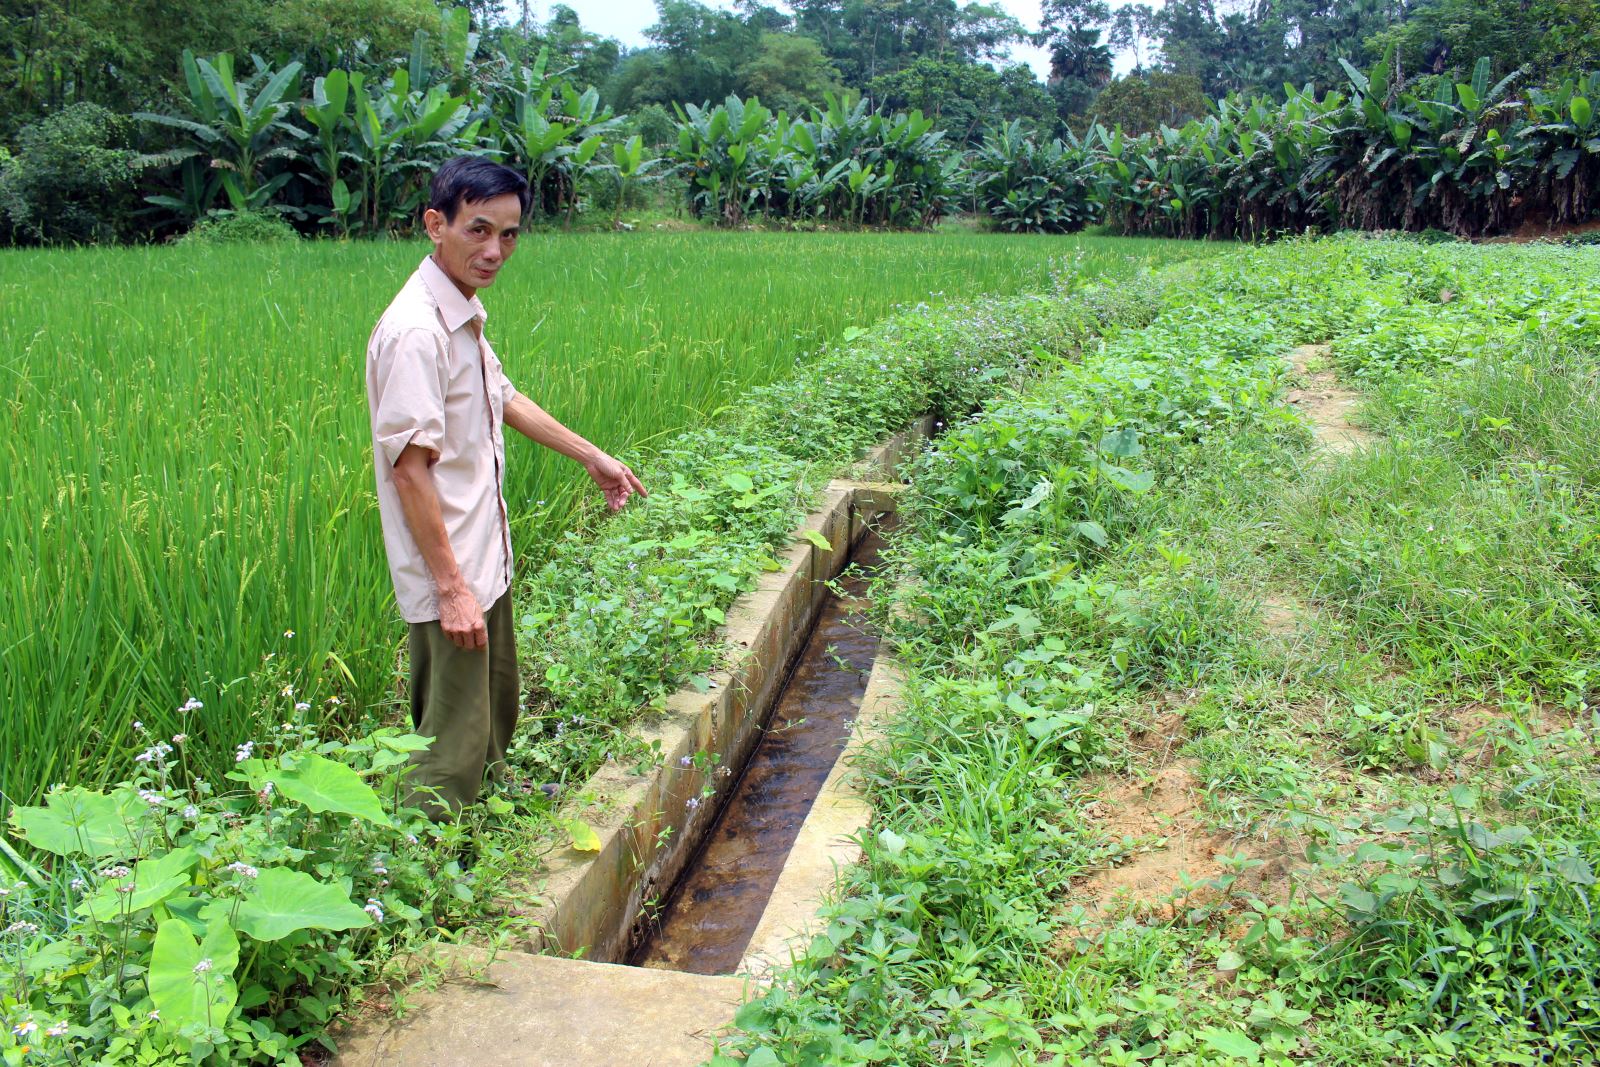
(538, 425)
(419, 500)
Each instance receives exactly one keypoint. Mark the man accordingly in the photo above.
(439, 400)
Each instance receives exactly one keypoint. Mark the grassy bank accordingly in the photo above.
(188, 463)
(1225, 746)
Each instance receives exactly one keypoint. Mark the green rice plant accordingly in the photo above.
(189, 462)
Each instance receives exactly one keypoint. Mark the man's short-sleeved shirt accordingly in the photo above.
(433, 382)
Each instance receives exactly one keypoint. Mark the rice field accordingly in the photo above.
(188, 466)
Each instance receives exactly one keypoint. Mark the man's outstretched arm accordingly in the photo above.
(614, 477)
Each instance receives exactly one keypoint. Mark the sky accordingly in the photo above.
(626, 20)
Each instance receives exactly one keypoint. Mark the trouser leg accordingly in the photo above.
(466, 699)
(505, 684)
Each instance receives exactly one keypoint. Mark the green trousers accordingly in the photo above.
(466, 699)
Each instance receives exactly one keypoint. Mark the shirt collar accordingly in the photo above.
(455, 309)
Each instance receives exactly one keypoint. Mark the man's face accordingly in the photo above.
(473, 247)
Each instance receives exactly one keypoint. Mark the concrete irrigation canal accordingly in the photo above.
(714, 910)
(712, 866)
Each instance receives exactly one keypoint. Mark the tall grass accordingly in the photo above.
(187, 462)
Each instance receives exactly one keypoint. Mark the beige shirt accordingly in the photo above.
(433, 382)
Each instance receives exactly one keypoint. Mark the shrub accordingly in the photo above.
(239, 228)
(72, 179)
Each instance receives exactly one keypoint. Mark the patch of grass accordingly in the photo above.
(1404, 763)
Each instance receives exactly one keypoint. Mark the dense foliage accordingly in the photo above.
(1078, 595)
(844, 163)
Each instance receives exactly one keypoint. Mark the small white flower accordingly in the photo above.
(287, 691)
(374, 909)
(288, 633)
(684, 761)
(191, 705)
(335, 701)
(191, 813)
(302, 706)
(76, 885)
(243, 869)
(243, 752)
(179, 739)
(155, 1016)
(24, 1028)
(58, 1030)
(115, 872)
(203, 966)
(152, 798)
(137, 725)
(692, 804)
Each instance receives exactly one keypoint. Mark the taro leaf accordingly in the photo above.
(1130, 481)
(1040, 493)
(322, 784)
(284, 900)
(584, 839)
(816, 538)
(1575, 869)
(80, 822)
(738, 481)
(1123, 443)
(154, 880)
(892, 842)
(1093, 531)
(1230, 1043)
(183, 996)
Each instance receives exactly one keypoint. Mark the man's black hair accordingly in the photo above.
(470, 179)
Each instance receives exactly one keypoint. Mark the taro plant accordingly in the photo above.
(171, 915)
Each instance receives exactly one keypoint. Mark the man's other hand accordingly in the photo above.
(462, 619)
(615, 480)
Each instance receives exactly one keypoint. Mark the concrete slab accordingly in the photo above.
(546, 1011)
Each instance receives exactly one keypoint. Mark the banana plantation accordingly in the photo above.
(343, 145)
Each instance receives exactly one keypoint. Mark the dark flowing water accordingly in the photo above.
(715, 907)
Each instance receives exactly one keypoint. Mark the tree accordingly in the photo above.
(73, 178)
(965, 99)
(1134, 28)
(1550, 39)
(788, 72)
(1141, 103)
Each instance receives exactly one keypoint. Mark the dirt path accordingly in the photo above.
(1160, 815)
(1326, 404)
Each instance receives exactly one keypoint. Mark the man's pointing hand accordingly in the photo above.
(615, 480)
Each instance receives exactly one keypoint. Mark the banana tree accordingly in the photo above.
(328, 114)
(630, 166)
(237, 126)
(401, 135)
(1563, 147)
(550, 132)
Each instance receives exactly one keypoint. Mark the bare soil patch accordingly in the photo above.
(1326, 404)
(1164, 813)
